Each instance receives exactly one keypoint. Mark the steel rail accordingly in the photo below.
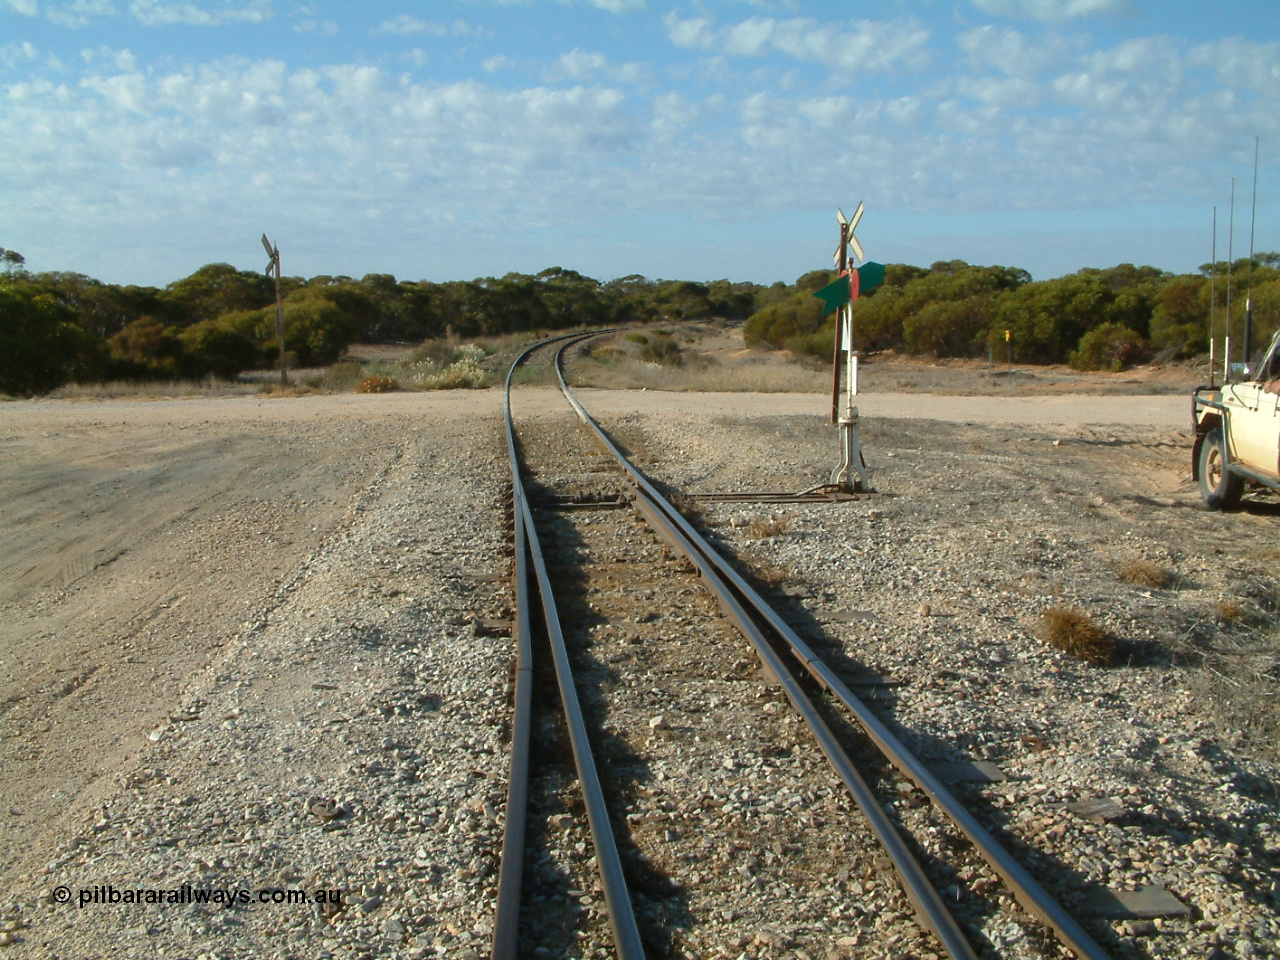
(929, 906)
(622, 921)
(506, 925)
(1025, 888)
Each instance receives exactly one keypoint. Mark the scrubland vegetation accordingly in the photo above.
(1093, 319)
(67, 328)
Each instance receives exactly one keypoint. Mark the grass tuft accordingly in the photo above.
(377, 384)
(775, 575)
(1229, 611)
(340, 377)
(1073, 631)
(764, 527)
(151, 390)
(1145, 573)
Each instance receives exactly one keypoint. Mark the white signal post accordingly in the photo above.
(274, 266)
(851, 475)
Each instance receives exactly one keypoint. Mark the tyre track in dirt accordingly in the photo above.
(128, 566)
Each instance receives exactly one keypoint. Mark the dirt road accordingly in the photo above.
(150, 548)
(141, 536)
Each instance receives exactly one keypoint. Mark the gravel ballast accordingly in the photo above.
(327, 711)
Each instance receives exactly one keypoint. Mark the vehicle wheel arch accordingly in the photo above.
(1203, 429)
(1225, 492)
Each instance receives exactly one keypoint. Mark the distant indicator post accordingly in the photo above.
(274, 267)
(851, 475)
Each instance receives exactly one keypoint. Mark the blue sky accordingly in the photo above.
(701, 139)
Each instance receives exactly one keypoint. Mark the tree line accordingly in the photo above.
(1093, 319)
(220, 321)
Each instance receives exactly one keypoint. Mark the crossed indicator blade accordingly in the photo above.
(846, 234)
(272, 252)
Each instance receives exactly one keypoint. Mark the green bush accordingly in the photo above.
(949, 328)
(819, 346)
(41, 346)
(1111, 346)
(664, 351)
(798, 315)
(211, 347)
(315, 331)
(1049, 318)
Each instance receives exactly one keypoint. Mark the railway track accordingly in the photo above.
(685, 766)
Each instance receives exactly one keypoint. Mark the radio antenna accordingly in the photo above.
(1213, 297)
(1248, 299)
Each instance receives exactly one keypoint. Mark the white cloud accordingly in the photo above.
(609, 6)
(1006, 92)
(1151, 102)
(497, 63)
(579, 65)
(696, 32)
(1055, 11)
(863, 45)
(26, 8)
(406, 26)
(156, 13)
(998, 122)
(123, 92)
(19, 54)
(325, 28)
(619, 6)
(81, 13)
(1013, 53)
(1239, 62)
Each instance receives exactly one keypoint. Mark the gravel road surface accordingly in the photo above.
(247, 645)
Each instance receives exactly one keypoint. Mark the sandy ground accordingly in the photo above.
(140, 536)
(1159, 412)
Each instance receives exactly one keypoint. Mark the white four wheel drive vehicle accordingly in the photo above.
(1238, 434)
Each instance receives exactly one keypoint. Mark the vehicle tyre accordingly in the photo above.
(1221, 490)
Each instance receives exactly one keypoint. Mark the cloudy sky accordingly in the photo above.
(697, 139)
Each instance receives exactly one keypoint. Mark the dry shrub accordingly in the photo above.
(377, 384)
(340, 376)
(770, 573)
(1229, 611)
(1145, 573)
(663, 351)
(764, 527)
(1246, 705)
(1073, 631)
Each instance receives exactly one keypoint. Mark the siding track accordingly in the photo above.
(611, 793)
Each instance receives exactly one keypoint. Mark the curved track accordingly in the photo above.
(804, 678)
